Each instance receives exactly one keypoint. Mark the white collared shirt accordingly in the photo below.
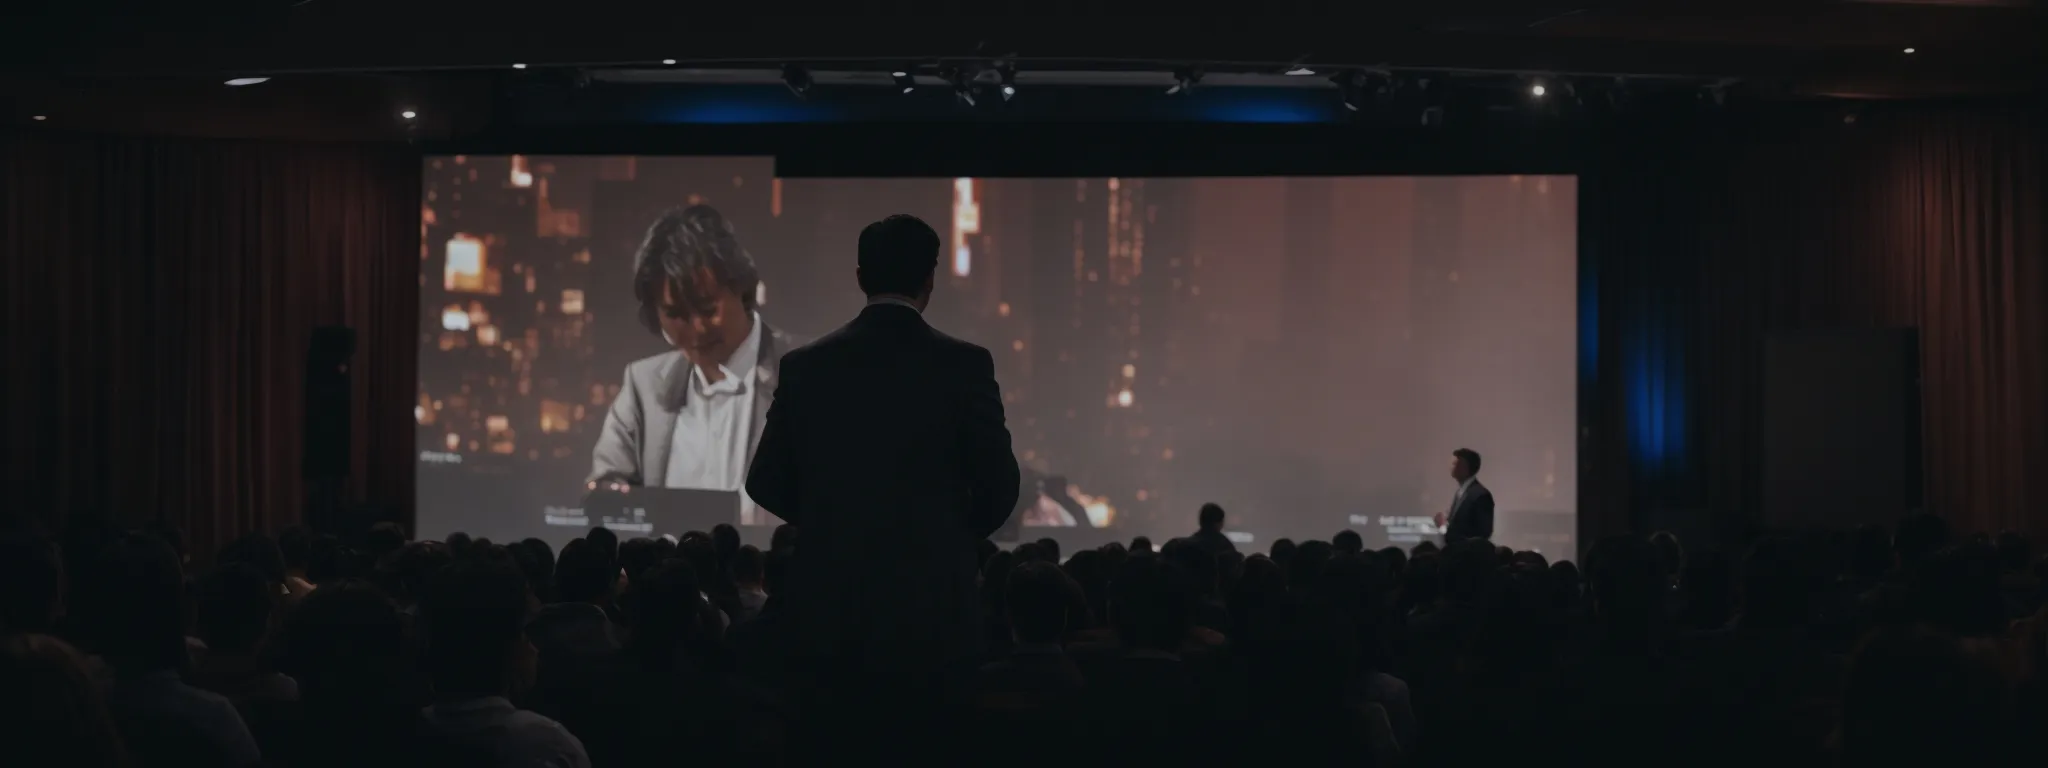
(708, 450)
(896, 300)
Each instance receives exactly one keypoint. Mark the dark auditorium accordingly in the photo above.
(1404, 385)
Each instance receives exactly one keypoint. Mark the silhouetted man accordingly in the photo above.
(886, 444)
(1471, 513)
(1209, 536)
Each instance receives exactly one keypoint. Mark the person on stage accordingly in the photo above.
(1471, 513)
(691, 417)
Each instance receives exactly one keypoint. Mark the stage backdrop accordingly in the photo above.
(1306, 352)
(158, 294)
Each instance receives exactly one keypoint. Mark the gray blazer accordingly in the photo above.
(634, 444)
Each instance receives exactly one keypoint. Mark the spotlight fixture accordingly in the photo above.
(1184, 79)
(40, 118)
(1350, 89)
(1007, 71)
(904, 80)
(517, 65)
(1909, 51)
(668, 62)
(408, 114)
(241, 81)
(1537, 90)
(963, 85)
(798, 79)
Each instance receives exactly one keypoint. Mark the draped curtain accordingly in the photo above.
(1700, 240)
(160, 298)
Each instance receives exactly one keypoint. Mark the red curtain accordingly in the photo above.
(1703, 238)
(160, 297)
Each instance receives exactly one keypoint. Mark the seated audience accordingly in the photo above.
(132, 616)
(479, 660)
(51, 711)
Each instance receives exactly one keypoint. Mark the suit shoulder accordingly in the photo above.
(967, 350)
(651, 368)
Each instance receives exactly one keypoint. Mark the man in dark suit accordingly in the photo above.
(1471, 513)
(886, 445)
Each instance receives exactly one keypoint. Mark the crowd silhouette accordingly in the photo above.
(1865, 647)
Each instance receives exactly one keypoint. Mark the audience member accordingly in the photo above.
(479, 660)
(1209, 531)
(51, 712)
(132, 616)
(747, 577)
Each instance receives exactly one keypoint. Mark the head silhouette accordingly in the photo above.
(898, 257)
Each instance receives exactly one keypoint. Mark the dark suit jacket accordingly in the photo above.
(1472, 517)
(886, 445)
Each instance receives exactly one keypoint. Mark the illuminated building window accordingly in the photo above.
(1124, 398)
(556, 416)
(477, 314)
(497, 423)
(1130, 370)
(520, 176)
(531, 284)
(465, 267)
(1017, 345)
(966, 221)
(572, 301)
(454, 441)
(1003, 309)
(454, 319)
(487, 335)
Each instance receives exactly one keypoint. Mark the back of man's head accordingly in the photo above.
(133, 606)
(583, 574)
(747, 566)
(345, 645)
(725, 540)
(1149, 604)
(1037, 595)
(1348, 542)
(898, 256)
(1049, 548)
(235, 602)
(783, 539)
(666, 608)
(475, 611)
(1211, 517)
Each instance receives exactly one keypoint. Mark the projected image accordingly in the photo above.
(1306, 353)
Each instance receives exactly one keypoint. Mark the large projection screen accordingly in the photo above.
(1306, 352)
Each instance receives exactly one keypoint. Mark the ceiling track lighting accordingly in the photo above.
(798, 79)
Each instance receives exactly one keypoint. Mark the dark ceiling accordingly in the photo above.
(106, 59)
